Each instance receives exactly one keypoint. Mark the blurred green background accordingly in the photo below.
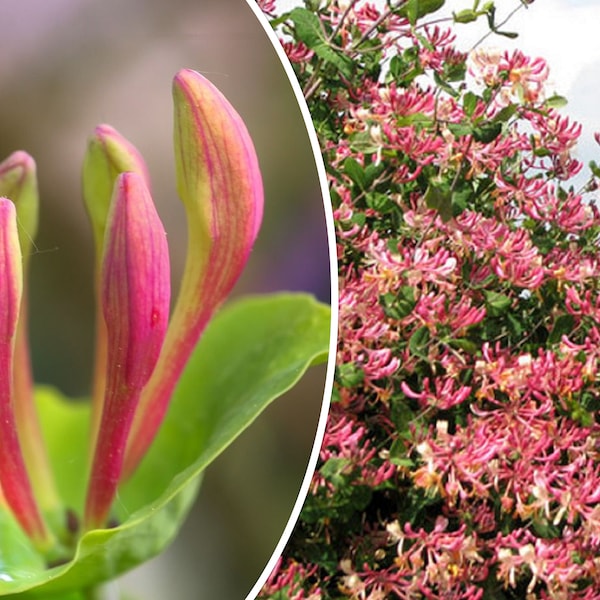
(68, 65)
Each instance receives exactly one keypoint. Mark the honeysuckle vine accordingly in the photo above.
(461, 457)
(62, 467)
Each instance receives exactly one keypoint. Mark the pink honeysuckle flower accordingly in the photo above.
(298, 52)
(518, 76)
(445, 394)
(288, 577)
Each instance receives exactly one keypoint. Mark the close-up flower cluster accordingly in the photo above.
(462, 453)
(132, 387)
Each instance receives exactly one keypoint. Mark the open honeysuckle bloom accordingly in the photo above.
(142, 346)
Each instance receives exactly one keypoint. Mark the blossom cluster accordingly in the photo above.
(462, 453)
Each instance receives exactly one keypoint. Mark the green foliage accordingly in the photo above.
(414, 10)
(438, 196)
(308, 30)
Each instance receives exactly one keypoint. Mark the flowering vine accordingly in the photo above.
(461, 458)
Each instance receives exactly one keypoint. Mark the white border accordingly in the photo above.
(314, 142)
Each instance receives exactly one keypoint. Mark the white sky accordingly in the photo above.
(564, 32)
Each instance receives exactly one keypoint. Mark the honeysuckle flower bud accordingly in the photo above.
(135, 292)
(108, 155)
(14, 480)
(18, 182)
(219, 182)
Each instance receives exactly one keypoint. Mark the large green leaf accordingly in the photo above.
(309, 30)
(252, 352)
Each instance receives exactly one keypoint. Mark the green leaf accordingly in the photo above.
(372, 172)
(487, 132)
(465, 16)
(380, 202)
(594, 168)
(419, 341)
(515, 324)
(363, 177)
(563, 325)
(307, 25)
(505, 114)
(402, 417)
(439, 197)
(496, 304)
(418, 119)
(335, 469)
(465, 344)
(556, 101)
(356, 172)
(397, 306)
(308, 30)
(252, 352)
(455, 71)
(490, 10)
(542, 152)
(405, 67)
(460, 199)
(460, 129)
(359, 219)
(470, 101)
(349, 375)
(511, 35)
(414, 10)
(442, 82)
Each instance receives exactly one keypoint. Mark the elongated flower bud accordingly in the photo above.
(13, 474)
(219, 182)
(135, 303)
(18, 182)
(108, 155)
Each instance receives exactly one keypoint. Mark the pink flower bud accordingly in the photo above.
(108, 154)
(18, 182)
(219, 182)
(135, 302)
(13, 474)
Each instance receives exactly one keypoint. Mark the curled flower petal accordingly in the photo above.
(135, 302)
(219, 182)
